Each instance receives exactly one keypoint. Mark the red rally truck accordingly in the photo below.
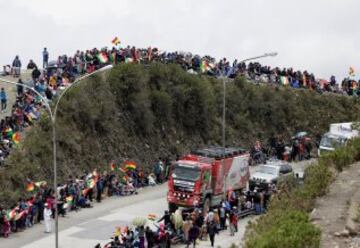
(203, 177)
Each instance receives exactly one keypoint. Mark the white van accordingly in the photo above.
(337, 136)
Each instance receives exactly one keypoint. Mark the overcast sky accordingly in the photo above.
(321, 36)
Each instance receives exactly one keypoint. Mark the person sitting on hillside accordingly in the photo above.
(31, 65)
(6, 70)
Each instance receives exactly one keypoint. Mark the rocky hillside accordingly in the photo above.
(143, 112)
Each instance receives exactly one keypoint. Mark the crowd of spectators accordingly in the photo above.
(59, 73)
(188, 228)
(76, 193)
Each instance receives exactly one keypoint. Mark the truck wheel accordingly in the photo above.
(206, 205)
(172, 207)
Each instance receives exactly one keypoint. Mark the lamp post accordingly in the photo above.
(53, 114)
(272, 54)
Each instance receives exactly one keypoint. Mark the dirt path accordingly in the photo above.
(331, 211)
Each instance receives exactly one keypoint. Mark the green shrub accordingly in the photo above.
(290, 229)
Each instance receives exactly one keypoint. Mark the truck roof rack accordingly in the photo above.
(218, 152)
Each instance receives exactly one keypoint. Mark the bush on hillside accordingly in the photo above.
(289, 229)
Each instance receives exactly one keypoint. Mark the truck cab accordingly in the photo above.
(189, 181)
(201, 178)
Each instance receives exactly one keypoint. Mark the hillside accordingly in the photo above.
(143, 112)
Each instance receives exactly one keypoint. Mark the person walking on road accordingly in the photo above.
(193, 235)
(47, 218)
(212, 231)
(3, 100)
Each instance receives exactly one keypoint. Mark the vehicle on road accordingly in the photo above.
(337, 137)
(202, 178)
(270, 173)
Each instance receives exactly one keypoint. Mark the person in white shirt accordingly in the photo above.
(47, 218)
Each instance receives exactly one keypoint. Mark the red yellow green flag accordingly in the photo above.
(130, 165)
(30, 187)
(16, 138)
(112, 166)
(204, 66)
(116, 41)
(10, 214)
(103, 58)
(90, 183)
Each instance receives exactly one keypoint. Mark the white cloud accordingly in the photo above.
(319, 36)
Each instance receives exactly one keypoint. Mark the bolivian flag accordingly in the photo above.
(112, 166)
(16, 138)
(103, 58)
(30, 187)
(11, 214)
(9, 133)
(69, 201)
(204, 67)
(116, 41)
(130, 165)
(90, 183)
(20, 215)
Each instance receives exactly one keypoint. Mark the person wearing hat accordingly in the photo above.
(47, 218)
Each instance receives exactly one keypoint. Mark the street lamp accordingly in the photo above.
(53, 123)
(271, 54)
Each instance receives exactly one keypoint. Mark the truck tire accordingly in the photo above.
(206, 205)
(172, 207)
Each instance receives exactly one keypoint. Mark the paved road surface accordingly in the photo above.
(91, 226)
(88, 227)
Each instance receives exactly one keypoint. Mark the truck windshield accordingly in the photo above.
(268, 170)
(186, 172)
(331, 141)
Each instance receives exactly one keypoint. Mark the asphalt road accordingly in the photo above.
(88, 227)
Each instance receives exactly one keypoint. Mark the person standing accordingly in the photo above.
(45, 55)
(193, 235)
(212, 231)
(158, 169)
(47, 218)
(186, 228)
(20, 87)
(16, 66)
(149, 237)
(99, 189)
(3, 100)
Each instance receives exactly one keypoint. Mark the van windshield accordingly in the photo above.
(186, 172)
(331, 141)
(267, 170)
